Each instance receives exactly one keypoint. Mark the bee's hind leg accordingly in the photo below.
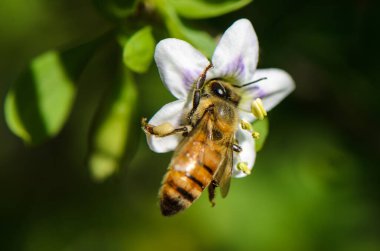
(164, 129)
(211, 192)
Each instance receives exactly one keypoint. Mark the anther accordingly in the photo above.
(258, 110)
(245, 125)
(255, 135)
(243, 166)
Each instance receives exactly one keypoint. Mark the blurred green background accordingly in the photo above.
(316, 182)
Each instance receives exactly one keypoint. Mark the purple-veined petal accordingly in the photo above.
(271, 90)
(247, 154)
(236, 55)
(171, 113)
(179, 65)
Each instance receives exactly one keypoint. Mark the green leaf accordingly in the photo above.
(198, 9)
(116, 9)
(172, 21)
(200, 39)
(262, 127)
(39, 102)
(139, 49)
(112, 127)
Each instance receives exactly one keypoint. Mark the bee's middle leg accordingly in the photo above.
(236, 148)
(164, 129)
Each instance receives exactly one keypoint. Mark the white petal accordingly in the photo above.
(272, 90)
(171, 113)
(247, 154)
(247, 116)
(236, 55)
(180, 65)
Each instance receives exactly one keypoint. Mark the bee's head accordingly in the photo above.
(221, 89)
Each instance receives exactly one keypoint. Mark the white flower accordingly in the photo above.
(235, 59)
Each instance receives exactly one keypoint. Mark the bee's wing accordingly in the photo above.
(222, 176)
(194, 144)
(203, 133)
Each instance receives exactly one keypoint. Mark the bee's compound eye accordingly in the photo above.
(218, 89)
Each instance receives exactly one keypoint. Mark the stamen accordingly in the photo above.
(243, 166)
(258, 110)
(245, 125)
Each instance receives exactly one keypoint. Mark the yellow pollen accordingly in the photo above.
(245, 125)
(243, 166)
(255, 135)
(163, 129)
(257, 109)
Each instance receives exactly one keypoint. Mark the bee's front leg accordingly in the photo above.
(164, 129)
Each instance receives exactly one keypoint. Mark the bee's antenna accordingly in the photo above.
(202, 78)
(197, 90)
(250, 83)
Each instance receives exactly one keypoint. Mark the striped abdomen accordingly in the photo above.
(190, 172)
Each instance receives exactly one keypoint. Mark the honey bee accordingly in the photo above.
(204, 158)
